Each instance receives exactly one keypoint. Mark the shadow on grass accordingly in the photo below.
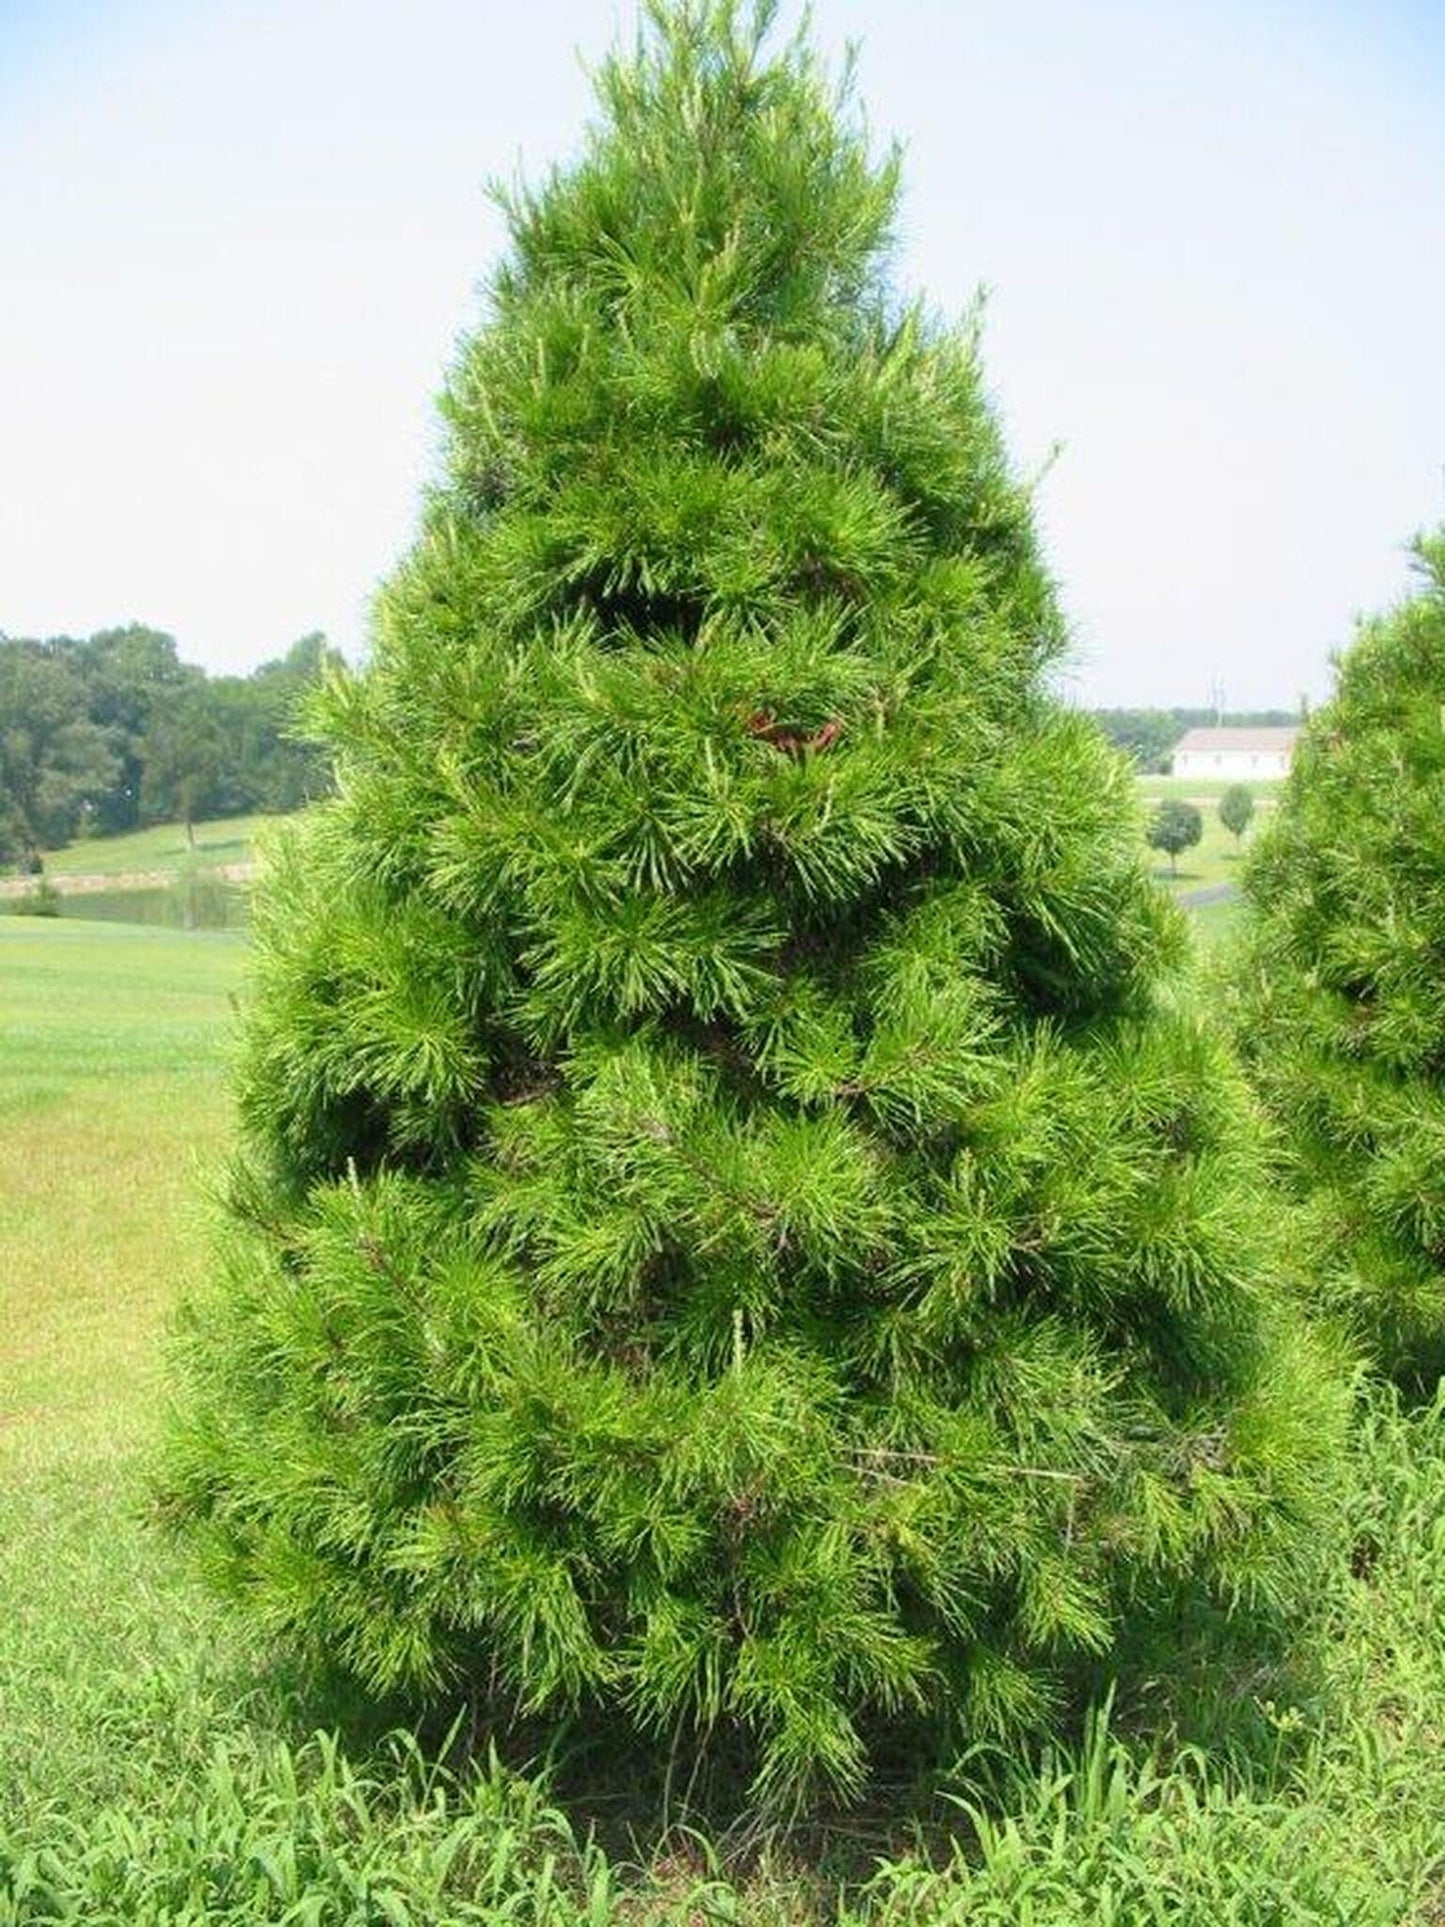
(1186, 1677)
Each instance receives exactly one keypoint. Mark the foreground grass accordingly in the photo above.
(111, 1105)
(154, 1768)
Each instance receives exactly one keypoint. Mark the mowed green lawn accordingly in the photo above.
(1219, 855)
(1207, 790)
(112, 1104)
(113, 1113)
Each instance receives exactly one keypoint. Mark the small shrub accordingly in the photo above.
(42, 899)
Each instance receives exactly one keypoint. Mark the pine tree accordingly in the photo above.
(737, 1233)
(1337, 992)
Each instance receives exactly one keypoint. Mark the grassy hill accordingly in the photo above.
(163, 847)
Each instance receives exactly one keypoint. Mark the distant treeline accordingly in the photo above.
(113, 732)
(1148, 735)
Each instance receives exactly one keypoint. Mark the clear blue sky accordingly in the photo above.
(240, 237)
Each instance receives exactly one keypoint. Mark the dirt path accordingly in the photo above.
(1208, 893)
(83, 885)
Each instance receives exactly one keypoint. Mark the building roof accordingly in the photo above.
(1257, 741)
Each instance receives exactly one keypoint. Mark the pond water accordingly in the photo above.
(200, 903)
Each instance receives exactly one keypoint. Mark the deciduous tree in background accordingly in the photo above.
(100, 734)
(1174, 826)
(185, 759)
(53, 760)
(737, 1234)
(1338, 1001)
(128, 677)
(1236, 809)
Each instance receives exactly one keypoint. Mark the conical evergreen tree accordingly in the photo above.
(735, 1232)
(1339, 988)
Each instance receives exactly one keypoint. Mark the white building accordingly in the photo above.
(1234, 754)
